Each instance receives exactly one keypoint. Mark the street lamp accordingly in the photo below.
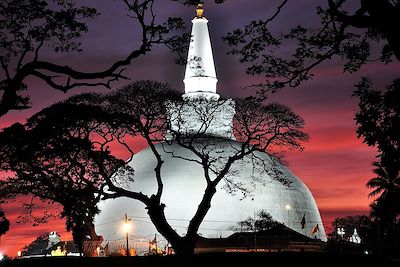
(126, 228)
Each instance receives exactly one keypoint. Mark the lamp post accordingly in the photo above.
(126, 228)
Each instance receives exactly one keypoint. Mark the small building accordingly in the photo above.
(277, 239)
(49, 245)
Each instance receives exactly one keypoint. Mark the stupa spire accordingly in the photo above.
(200, 77)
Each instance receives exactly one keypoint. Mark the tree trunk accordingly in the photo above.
(92, 231)
(181, 245)
(202, 211)
(186, 246)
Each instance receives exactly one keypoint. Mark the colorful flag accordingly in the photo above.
(303, 222)
(315, 229)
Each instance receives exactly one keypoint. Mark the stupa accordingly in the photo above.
(183, 178)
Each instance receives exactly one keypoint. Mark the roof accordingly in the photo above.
(278, 237)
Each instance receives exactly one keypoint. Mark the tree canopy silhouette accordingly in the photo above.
(27, 27)
(348, 30)
(63, 152)
(259, 128)
(60, 155)
(351, 31)
(379, 125)
(379, 119)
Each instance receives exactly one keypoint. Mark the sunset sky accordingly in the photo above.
(335, 165)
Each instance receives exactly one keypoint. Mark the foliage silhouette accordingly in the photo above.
(378, 125)
(63, 152)
(343, 32)
(27, 27)
(57, 156)
(259, 128)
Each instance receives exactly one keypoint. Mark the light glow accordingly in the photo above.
(126, 227)
(288, 207)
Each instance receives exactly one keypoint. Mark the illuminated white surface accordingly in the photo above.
(355, 238)
(126, 227)
(200, 73)
(184, 185)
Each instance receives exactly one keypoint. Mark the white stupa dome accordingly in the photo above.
(184, 186)
(291, 204)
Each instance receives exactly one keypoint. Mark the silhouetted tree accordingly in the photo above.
(61, 154)
(379, 125)
(260, 128)
(378, 119)
(386, 187)
(353, 31)
(349, 30)
(386, 180)
(29, 26)
(4, 223)
(66, 147)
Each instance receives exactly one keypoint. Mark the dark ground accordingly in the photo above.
(208, 260)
